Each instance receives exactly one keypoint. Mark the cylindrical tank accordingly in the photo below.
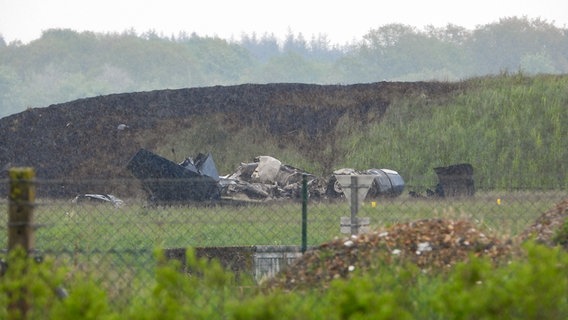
(387, 183)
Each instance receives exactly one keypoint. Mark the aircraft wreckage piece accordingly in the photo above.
(168, 182)
(267, 178)
(387, 182)
(455, 180)
(88, 197)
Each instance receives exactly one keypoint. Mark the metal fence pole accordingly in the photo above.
(304, 212)
(20, 225)
(354, 206)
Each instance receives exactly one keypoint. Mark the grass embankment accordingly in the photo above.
(511, 128)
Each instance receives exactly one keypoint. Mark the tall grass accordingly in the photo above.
(512, 129)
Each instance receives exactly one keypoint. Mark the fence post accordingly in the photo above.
(355, 188)
(21, 204)
(20, 225)
(354, 206)
(304, 213)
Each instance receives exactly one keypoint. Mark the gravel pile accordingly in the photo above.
(546, 228)
(433, 244)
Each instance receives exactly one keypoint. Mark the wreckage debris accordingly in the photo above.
(168, 182)
(453, 181)
(266, 178)
(90, 197)
(456, 180)
(198, 180)
(387, 183)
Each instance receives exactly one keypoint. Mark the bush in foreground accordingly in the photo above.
(534, 286)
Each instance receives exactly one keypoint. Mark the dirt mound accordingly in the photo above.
(430, 244)
(94, 138)
(551, 228)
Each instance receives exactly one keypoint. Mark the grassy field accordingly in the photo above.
(85, 227)
(67, 226)
(117, 245)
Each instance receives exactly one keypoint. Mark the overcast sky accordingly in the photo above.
(341, 21)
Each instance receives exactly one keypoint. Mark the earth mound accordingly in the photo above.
(551, 228)
(431, 244)
(76, 142)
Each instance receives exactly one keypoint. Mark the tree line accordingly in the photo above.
(64, 65)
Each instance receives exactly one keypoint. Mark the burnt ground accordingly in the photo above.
(78, 141)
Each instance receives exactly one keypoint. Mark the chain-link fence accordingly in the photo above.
(114, 240)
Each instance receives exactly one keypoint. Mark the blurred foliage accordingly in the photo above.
(64, 65)
(532, 286)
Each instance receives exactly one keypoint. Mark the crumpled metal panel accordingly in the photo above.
(169, 182)
(455, 180)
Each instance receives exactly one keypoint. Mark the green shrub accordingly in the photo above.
(201, 293)
(25, 280)
(531, 287)
(85, 301)
(561, 236)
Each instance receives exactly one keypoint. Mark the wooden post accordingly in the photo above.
(21, 204)
(20, 230)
